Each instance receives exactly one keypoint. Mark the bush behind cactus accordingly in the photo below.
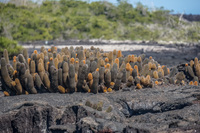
(12, 46)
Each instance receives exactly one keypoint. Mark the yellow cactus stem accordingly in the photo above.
(15, 57)
(34, 76)
(35, 51)
(119, 53)
(84, 62)
(136, 67)
(102, 63)
(196, 61)
(128, 67)
(76, 77)
(13, 83)
(143, 80)
(161, 70)
(42, 56)
(6, 93)
(168, 70)
(131, 70)
(110, 56)
(135, 59)
(29, 60)
(150, 65)
(104, 54)
(148, 77)
(97, 69)
(51, 58)
(191, 63)
(117, 62)
(56, 62)
(112, 83)
(106, 60)
(49, 50)
(91, 53)
(195, 83)
(45, 52)
(108, 65)
(130, 79)
(130, 58)
(186, 64)
(150, 57)
(155, 74)
(26, 92)
(139, 59)
(183, 82)
(89, 90)
(90, 77)
(153, 66)
(104, 91)
(60, 58)
(191, 83)
(14, 72)
(61, 89)
(41, 61)
(114, 51)
(156, 82)
(139, 86)
(109, 90)
(72, 60)
(76, 55)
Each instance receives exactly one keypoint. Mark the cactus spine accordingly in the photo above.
(30, 85)
(107, 78)
(72, 83)
(114, 72)
(95, 84)
(82, 78)
(54, 78)
(65, 74)
(5, 55)
(117, 85)
(5, 74)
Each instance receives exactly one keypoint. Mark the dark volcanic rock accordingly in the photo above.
(169, 108)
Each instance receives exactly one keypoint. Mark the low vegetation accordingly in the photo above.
(75, 19)
(12, 46)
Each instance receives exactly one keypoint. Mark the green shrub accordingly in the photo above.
(76, 19)
(10, 45)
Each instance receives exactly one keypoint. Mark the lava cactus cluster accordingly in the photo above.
(87, 70)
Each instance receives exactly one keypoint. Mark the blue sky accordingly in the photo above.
(179, 6)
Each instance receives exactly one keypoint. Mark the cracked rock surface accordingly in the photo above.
(159, 109)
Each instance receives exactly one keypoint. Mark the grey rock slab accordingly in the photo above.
(159, 109)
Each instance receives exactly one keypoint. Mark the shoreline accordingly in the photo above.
(101, 41)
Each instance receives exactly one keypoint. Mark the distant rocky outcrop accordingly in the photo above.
(190, 17)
